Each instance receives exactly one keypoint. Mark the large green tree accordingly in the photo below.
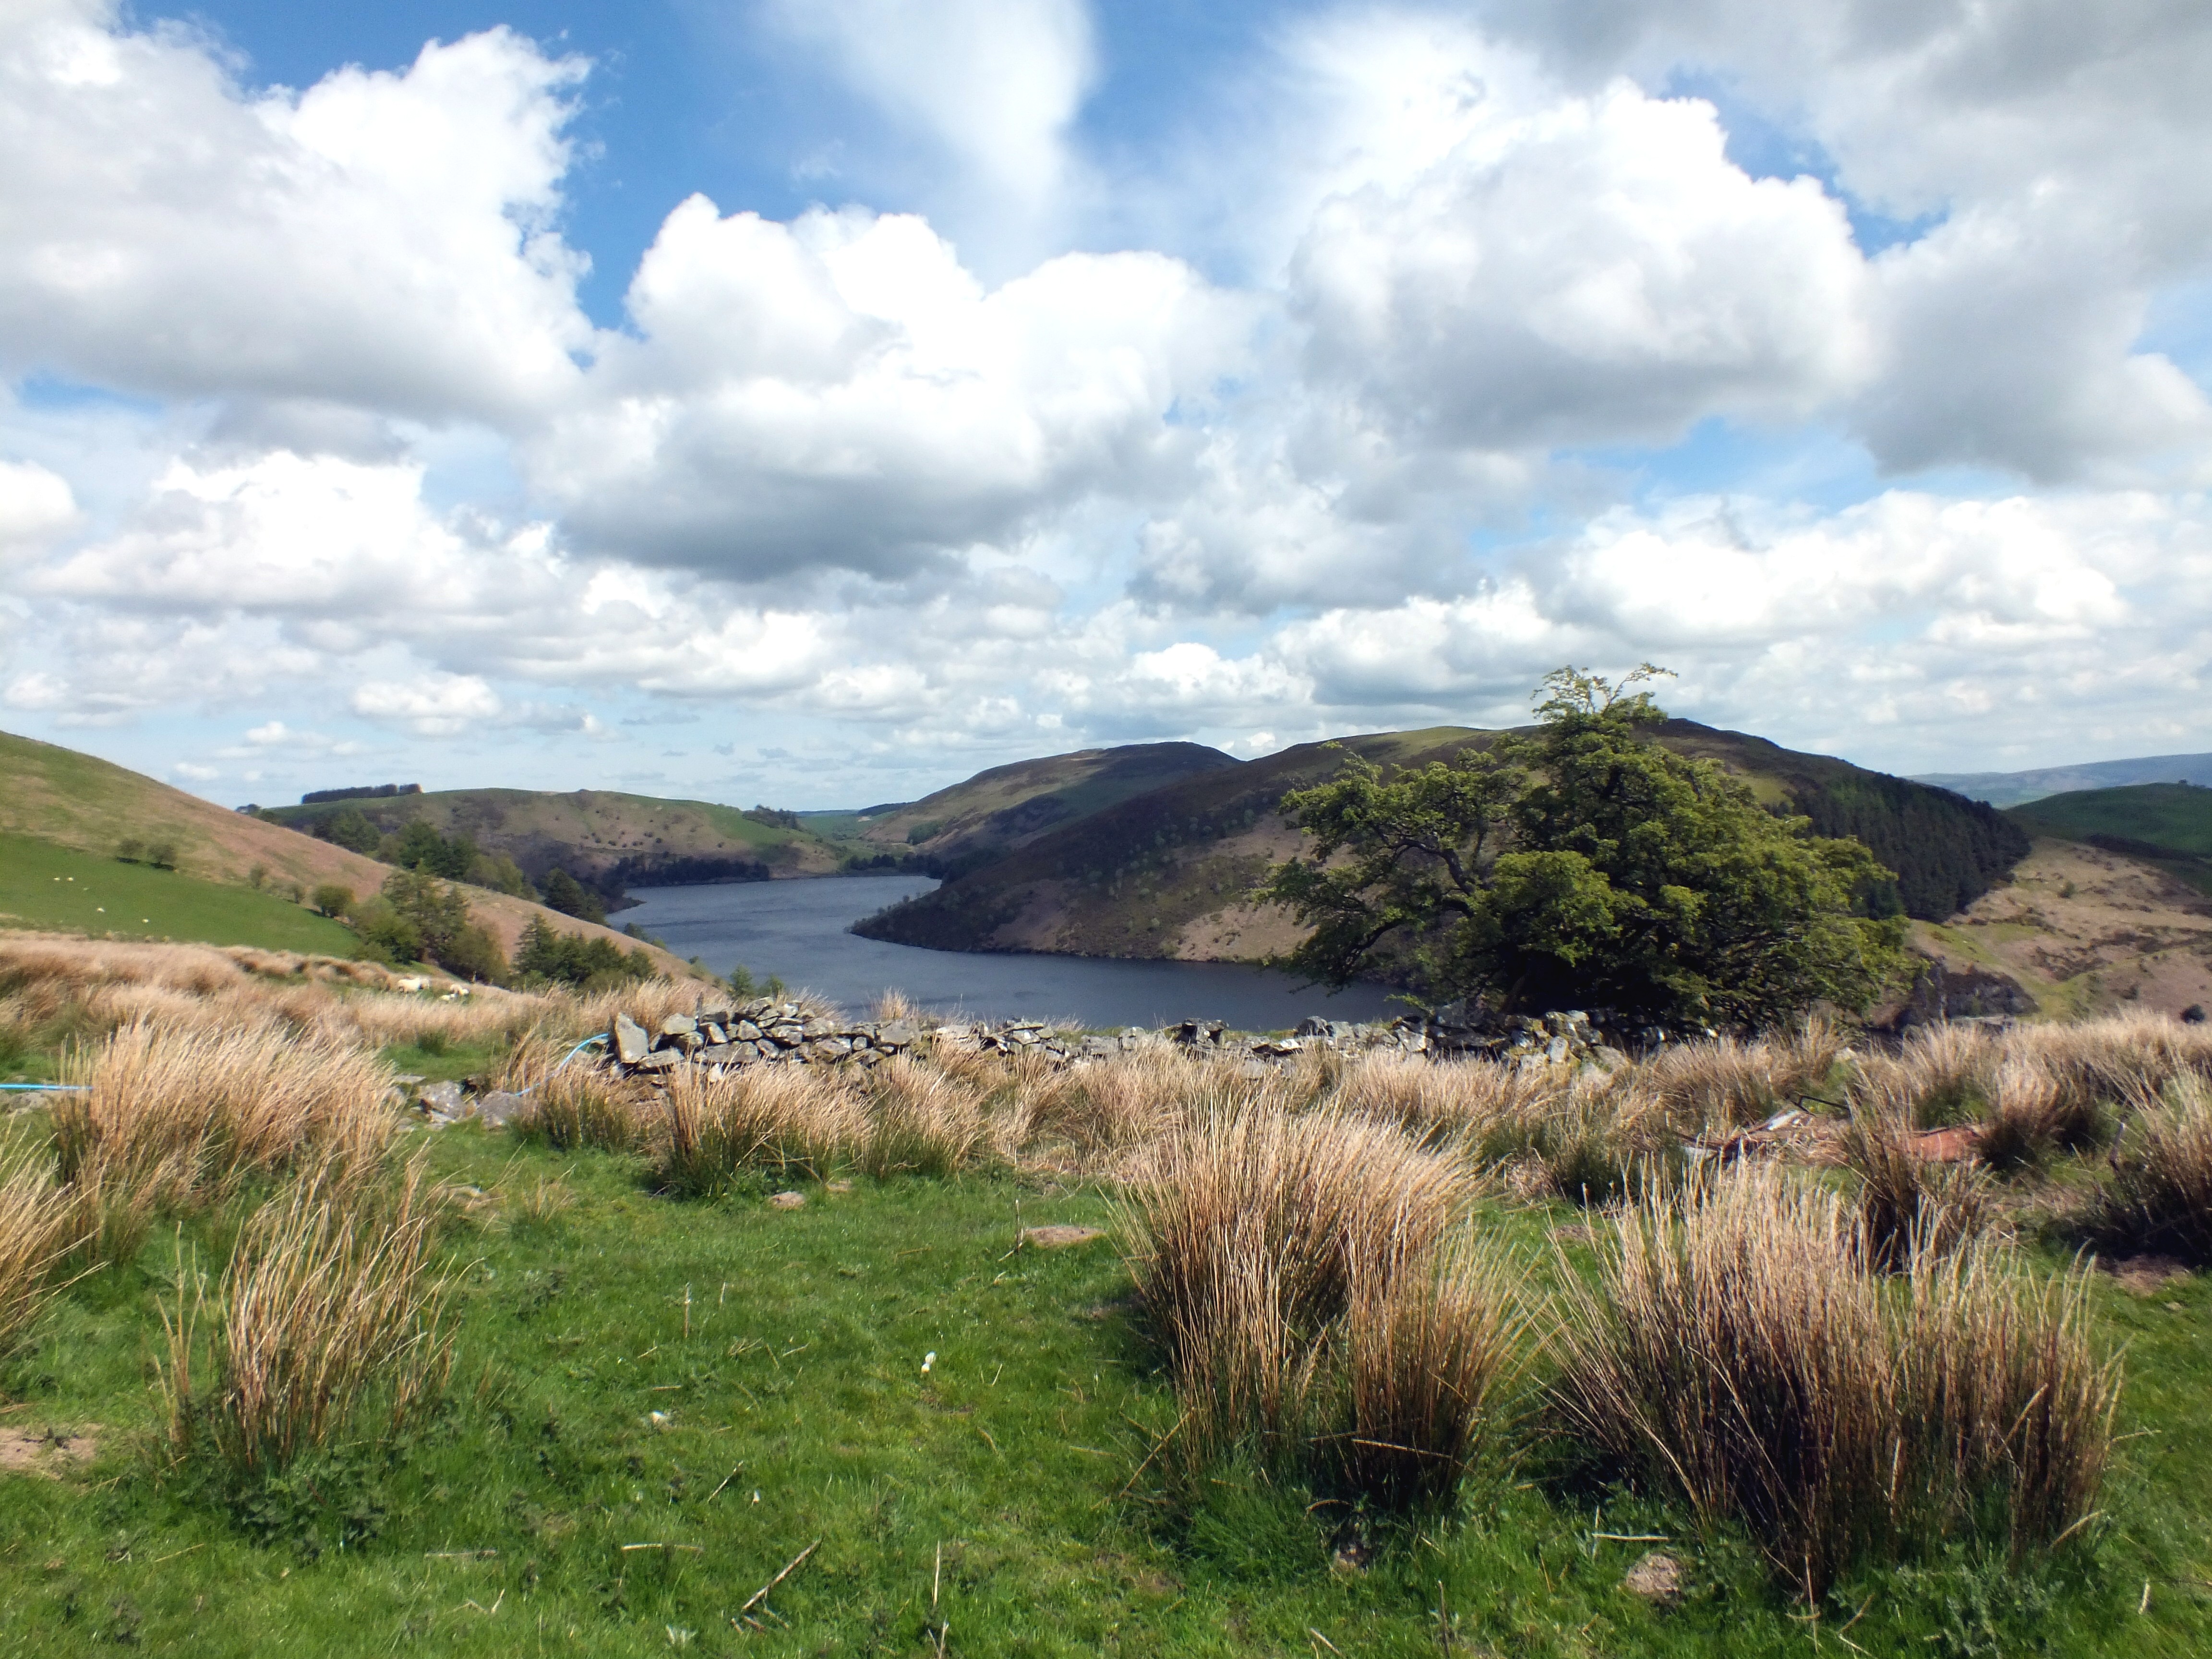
(1584, 865)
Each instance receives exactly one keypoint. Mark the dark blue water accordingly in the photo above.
(796, 931)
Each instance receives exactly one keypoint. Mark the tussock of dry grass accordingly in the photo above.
(1292, 1268)
(583, 1108)
(39, 1227)
(1726, 1084)
(1737, 1346)
(2157, 1196)
(788, 1122)
(1908, 1206)
(1425, 1360)
(194, 1110)
(327, 1305)
(919, 1122)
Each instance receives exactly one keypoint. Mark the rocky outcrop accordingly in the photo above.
(1942, 993)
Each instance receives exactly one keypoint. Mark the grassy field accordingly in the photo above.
(45, 885)
(797, 1409)
(657, 1404)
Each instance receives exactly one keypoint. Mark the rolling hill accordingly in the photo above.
(2169, 824)
(973, 823)
(609, 840)
(64, 799)
(2017, 788)
(1165, 874)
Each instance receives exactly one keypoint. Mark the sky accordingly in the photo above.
(812, 402)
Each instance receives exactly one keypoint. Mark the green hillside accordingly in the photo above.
(603, 838)
(43, 885)
(2169, 823)
(1165, 874)
(60, 799)
(973, 823)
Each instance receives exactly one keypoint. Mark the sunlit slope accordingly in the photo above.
(70, 799)
(608, 839)
(60, 890)
(1166, 874)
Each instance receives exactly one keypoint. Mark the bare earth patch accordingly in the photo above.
(2086, 932)
(1059, 1237)
(2145, 1275)
(49, 1452)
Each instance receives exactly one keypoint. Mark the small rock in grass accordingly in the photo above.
(788, 1201)
(1657, 1578)
(1057, 1236)
(838, 1187)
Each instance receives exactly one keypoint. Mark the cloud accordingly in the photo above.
(840, 391)
(381, 241)
(438, 705)
(36, 506)
(1546, 268)
(995, 82)
(2046, 164)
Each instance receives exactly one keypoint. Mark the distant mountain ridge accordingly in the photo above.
(2017, 788)
(1168, 873)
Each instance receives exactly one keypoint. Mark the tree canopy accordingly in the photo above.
(1583, 865)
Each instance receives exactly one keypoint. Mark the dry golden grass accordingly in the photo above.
(1111, 1106)
(1909, 1206)
(919, 1122)
(39, 1227)
(1251, 1229)
(2157, 1196)
(1736, 1345)
(1423, 1361)
(192, 1110)
(784, 1121)
(328, 1304)
(582, 1107)
(1723, 1084)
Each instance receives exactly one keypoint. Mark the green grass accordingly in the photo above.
(797, 1409)
(48, 886)
(2174, 818)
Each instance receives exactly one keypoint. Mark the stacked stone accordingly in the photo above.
(762, 1032)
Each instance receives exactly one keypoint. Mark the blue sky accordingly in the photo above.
(815, 402)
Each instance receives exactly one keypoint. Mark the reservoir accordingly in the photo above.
(796, 930)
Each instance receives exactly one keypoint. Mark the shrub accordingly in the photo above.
(2158, 1194)
(162, 855)
(475, 954)
(333, 900)
(573, 959)
(1736, 1347)
(564, 893)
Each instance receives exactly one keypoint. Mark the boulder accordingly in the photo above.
(630, 1043)
(496, 1110)
(444, 1102)
(679, 1025)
